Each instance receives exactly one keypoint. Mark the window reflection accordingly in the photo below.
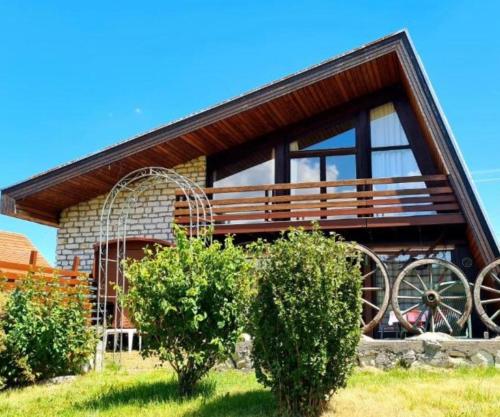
(338, 168)
(254, 169)
(305, 170)
(341, 135)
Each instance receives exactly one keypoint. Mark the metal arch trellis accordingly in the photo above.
(114, 220)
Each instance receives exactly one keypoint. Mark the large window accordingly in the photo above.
(392, 155)
(371, 142)
(326, 155)
(252, 169)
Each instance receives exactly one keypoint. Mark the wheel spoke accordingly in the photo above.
(413, 286)
(450, 284)
(431, 284)
(410, 297)
(409, 309)
(484, 287)
(451, 308)
(370, 304)
(496, 277)
(454, 297)
(362, 321)
(494, 316)
(421, 281)
(433, 324)
(372, 288)
(445, 320)
(368, 274)
(490, 301)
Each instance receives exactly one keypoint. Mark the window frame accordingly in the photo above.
(359, 112)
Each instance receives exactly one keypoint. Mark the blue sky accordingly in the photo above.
(78, 76)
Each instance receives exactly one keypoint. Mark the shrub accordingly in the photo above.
(190, 302)
(45, 333)
(305, 318)
(3, 337)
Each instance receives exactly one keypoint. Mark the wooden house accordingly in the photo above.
(358, 143)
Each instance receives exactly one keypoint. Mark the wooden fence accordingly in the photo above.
(69, 281)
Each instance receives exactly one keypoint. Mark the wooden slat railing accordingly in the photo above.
(68, 281)
(366, 202)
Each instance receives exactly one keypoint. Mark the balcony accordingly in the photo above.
(359, 203)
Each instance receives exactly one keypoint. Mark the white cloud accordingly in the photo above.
(494, 179)
(486, 171)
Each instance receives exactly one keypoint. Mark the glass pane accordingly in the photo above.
(254, 169)
(341, 168)
(304, 170)
(385, 127)
(338, 136)
(389, 326)
(397, 163)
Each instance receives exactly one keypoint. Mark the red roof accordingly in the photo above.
(17, 248)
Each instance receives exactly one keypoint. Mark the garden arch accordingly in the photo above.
(123, 198)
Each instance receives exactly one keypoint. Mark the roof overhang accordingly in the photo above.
(386, 62)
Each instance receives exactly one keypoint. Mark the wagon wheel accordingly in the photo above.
(432, 295)
(487, 295)
(375, 297)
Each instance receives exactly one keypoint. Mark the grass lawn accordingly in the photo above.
(152, 392)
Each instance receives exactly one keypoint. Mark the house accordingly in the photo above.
(17, 248)
(357, 143)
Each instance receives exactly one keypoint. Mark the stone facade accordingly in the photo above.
(150, 218)
(433, 350)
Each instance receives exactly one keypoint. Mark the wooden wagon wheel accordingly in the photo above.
(375, 297)
(432, 295)
(487, 295)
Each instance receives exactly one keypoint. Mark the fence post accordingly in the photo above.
(33, 257)
(76, 264)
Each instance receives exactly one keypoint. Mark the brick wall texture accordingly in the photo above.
(150, 217)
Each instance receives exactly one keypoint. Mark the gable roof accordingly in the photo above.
(389, 61)
(17, 248)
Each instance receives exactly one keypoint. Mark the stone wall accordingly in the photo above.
(150, 218)
(429, 350)
(435, 350)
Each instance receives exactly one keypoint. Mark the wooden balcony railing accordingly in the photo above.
(381, 202)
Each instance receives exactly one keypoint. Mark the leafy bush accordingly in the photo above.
(3, 337)
(190, 302)
(45, 333)
(306, 318)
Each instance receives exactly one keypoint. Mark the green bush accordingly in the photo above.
(45, 333)
(190, 302)
(305, 318)
(3, 337)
